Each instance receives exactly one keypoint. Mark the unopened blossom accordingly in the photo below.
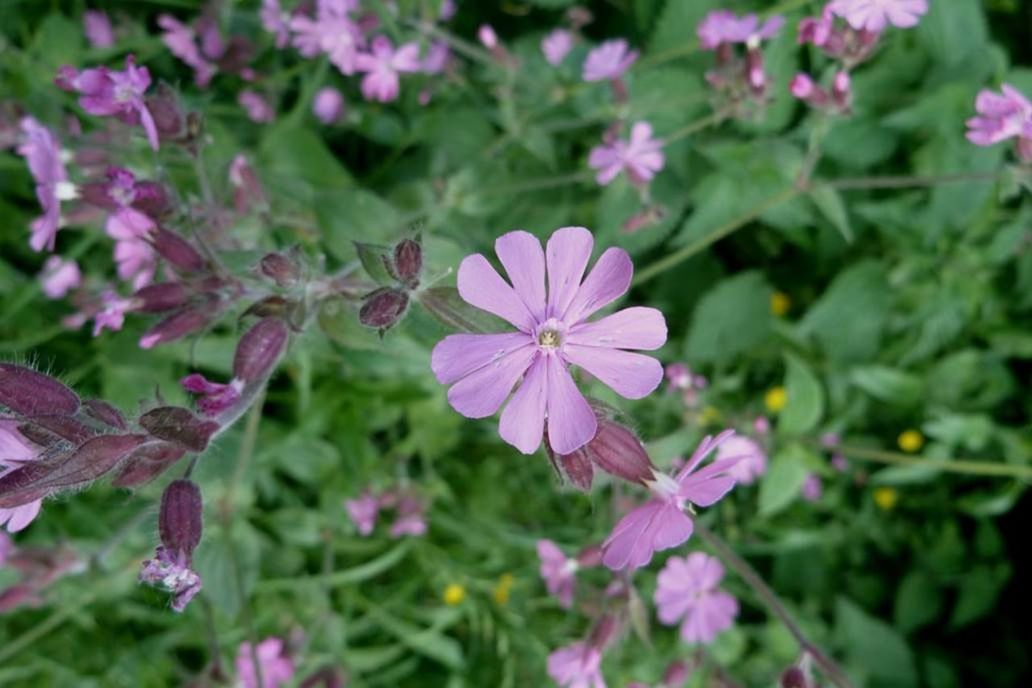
(577, 666)
(59, 277)
(556, 46)
(332, 31)
(382, 66)
(558, 571)
(276, 666)
(171, 572)
(687, 593)
(275, 21)
(106, 92)
(212, 397)
(753, 461)
(363, 512)
(328, 105)
(875, 15)
(661, 523)
(641, 157)
(487, 36)
(97, 28)
(609, 61)
(812, 488)
(257, 107)
(552, 334)
(15, 450)
(42, 153)
(1002, 116)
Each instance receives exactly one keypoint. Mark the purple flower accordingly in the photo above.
(819, 31)
(130, 228)
(721, 27)
(661, 523)
(332, 32)
(111, 314)
(59, 276)
(256, 106)
(687, 592)
(553, 333)
(276, 665)
(487, 36)
(409, 510)
(214, 397)
(577, 666)
(97, 28)
(438, 54)
(42, 153)
(609, 61)
(812, 488)
(15, 450)
(181, 40)
(556, 45)
(382, 66)
(558, 571)
(172, 573)
(1000, 116)
(363, 512)
(641, 157)
(875, 15)
(328, 105)
(753, 461)
(275, 21)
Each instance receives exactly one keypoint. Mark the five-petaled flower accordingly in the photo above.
(609, 61)
(875, 15)
(382, 66)
(641, 157)
(687, 593)
(1002, 116)
(553, 333)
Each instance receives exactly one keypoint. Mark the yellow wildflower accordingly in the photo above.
(911, 441)
(775, 399)
(503, 588)
(886, 497)
(454, 594)
(780, 303)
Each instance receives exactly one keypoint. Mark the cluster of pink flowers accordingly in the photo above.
(409, 512)
(739, 83)
(1002, 116)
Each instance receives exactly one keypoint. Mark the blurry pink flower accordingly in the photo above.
(15, 450)
(802, 86)
(487, 36)
(182, 41)
(276, 666)
(641, 157)
(812, 488)
(818, 30)
(97, 28)
(130, 229)
(171, 572)
(332, 31)
(840, 463)
(761, 426)
(275, 21)
(553, 334)
(448, 10)
(213, 397)
(410, 515)
(576, 666)
(687, 592)
(753, 460)
(59, 276)
(438, 54)
(6, 548)
(363, 512)
(680, 377)
(112, 312)
(722, 26)
(558, 571)
(1000, 116)
(106, 92)
(42, 153)
(382, 66)
(328, 105)
(875, 15)
(256, 106)
(661, 523)
(556, 45)
(609, 61)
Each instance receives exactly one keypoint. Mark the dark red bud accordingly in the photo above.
(676, 674)
(105, 413)
(576, 467)
(64, 427)
(259, 350)
(29, 393)
(96, 194)
(180, 519)
(179, 426)
(175, 327)
(158, 298)
(383, 308)
(604, 632)
(619, 452)
(793, 677)
(176, 250)
(280, 269)
(147, 463)
(152, 199)
(408, 262)
(168, 116)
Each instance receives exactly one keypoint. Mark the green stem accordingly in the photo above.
(460, 45)
(541, 184)
(773, 604)
(907, 182)
(983, 468)
(710, 120)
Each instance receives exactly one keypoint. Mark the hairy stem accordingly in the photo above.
(773, 604)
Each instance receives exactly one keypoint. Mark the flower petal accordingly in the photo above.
(571, 422)
(630, 375)
(458, 355)
(569, 250)
(608, 280)
(480, 285)
(631, 328)
(481, 393)
(524, 261)
(523, 420)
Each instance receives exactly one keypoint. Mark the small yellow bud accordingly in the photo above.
(503, 588)
(454, 594)
(775, 399)
(780, 303)
(911, 441)
(886, 497)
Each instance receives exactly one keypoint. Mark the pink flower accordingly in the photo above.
(59, 277)
(42, 153)
(687, 592)
(875, 15)
(487, 36)
(1000, 116)
(722, 26)
(438, 54)
(332, 32)
(214, 397)
(812, 488)
(130, 228)
(363, 512)
(641, 157)
(276, 665)
(661, 523)
(112, 312)
(556, 46)
(818, 30)
(410, 513)
(181, 40)
(557, 570)
(275, 21)
(382, 66)
(257, 107)
(98, 29)
(553, 333)
(609, 61)
(16, 449)
(328, 105)
(577, 666)
(753, 461)
(171, 572)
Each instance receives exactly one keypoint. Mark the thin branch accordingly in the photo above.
(985, 468)
(709, 120)
(908, 182)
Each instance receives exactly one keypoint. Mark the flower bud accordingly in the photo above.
(604, 632)
(793, 677)
(576, 468)
(158, 298)
(280, 269)
(168, 116)
(175, 327)
(148, 462)
(180, 519)
(64, 427)
(178, 425)
(105, 413)
(29, 393)
(248, 190)
(176, 250)
(676, 674)
(259, 350)
(618, 451)
(408, 262)
(383, 308)
(96, 194)
(151, 199)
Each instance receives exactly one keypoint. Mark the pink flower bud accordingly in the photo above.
(408, 262)
(105, 413)
(328, 105)
(802, 86)
(178, 425)
(175, 327)
(259, 350)
(615, 449)
(487, 36)
(159, 298)
(176, 250)
(576, 467)
(29, 393)
(383, 308)
(180, 519)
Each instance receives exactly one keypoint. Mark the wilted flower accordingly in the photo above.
(556, 46)
(277, 668)
(257, 107)
(382, 65)
(641, 157)
(609, 61)
(97, 28)
(577, 666)
(875, 15)
(328, 105)
(332, 32)
(687, 593)
(172, 573)
(553, 334)
(42, 153)
(60, 276)
(558, 571)
(753, 462)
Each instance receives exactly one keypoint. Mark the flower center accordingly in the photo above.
(548, 339)
(550, 334)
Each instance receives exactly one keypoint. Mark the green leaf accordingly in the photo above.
(730, 319)
(849, 317)
(348, 216)
(375, 258)
(829, 202)
(890, 385)
(805, 398)
(781, 485)
(875, 649)
(292, 153)
(917, 601)
(979, 591)
(445, 304)
(425, 641)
